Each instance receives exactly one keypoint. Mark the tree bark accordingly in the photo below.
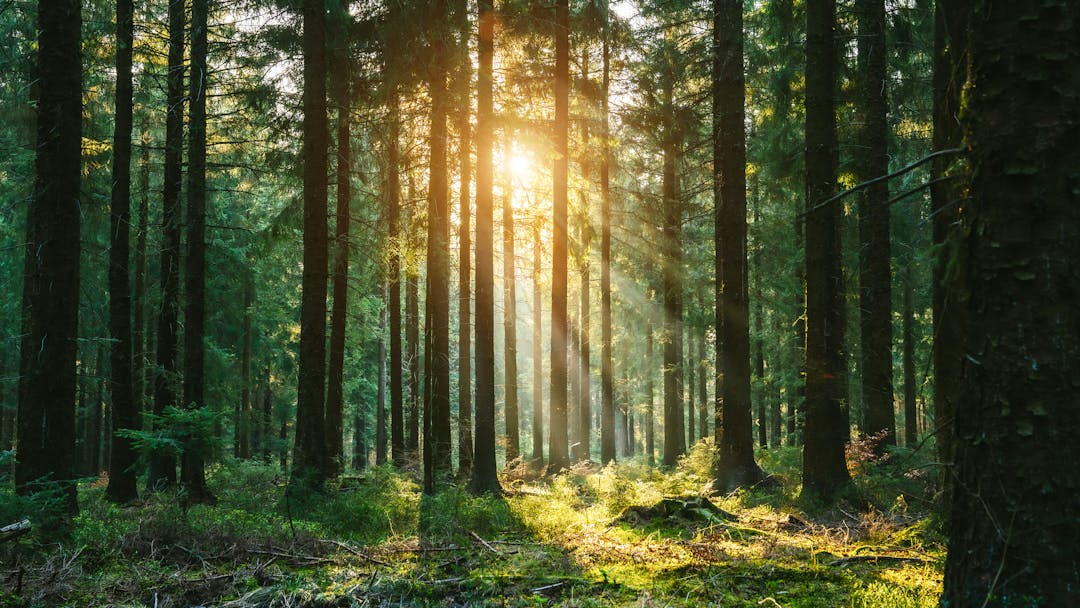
(537, 353)
(736, 466)
(309, 454)
(243, 426)
(398, 441)
(510, 370)
(192, 467)
(691, 401)
(911, 414)
(703, 389)
(824, 468)
(465, 415)
(163, 466)
(380, 394)
(412, 354)
(875, 278)
(1014, 534)
(607, 402)
(951, 23)
(671, 285)
(122, 483)
(484, 475)
(335, 398)
(650, 390)
(558, 454)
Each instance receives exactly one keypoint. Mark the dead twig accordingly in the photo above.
(357, 552)
(483, 542)
(548, 587)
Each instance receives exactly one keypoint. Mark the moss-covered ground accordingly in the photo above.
(374, 540)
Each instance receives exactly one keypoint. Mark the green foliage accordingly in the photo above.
(179, 430)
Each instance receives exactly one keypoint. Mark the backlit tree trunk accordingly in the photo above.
(309, 456)
(510, 370)
(558, 455)
(484, 475)
(607, 400)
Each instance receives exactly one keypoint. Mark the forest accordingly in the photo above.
(313, 303)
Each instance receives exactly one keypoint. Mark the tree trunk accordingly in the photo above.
(437, 322)
(671, 286)
(412, 354)
(911, 415)
(359, 458)
(122, 482)
(192, 469)
(650, 390)
(484, 475)
(513, 434)
(139, 323)
(951, 21)
(691, 402)
(309, 456)
(465, 434)
(607, 407)
(537, 353)
(393, 202)
(703, 389)
(335, 398)
(1014, 531)
(163, 466)
(824, 468)
(380, 395)
(243, 423)
(736, 466)
(585, 383)
(874, 274)
(559, 457)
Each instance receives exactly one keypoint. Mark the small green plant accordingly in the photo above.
(178, 430)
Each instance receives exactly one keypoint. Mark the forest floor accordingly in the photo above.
(572, 540)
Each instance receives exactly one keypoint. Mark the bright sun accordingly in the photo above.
(520, 166)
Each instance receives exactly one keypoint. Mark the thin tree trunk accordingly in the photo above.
(650, 390)
(380, 395)
(559, 457)
(691, 415)
(412, 354)
(911, 413)
(607, 403)
(951, 33)
(398, 441)
(671, 289)
(465, 434)
(309, 454)
(122, 483)
(335, 398)
(703, 389)
(359, 457)
(242, 424)
(484, 475)
(139, 332)
(824, 468)
(585, 384)
(513, 434)
(537, 352)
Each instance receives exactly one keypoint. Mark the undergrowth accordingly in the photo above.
(373, 539)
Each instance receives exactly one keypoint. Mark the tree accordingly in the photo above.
(736, 466)
(537, 352)
(1013, 537)
(510, 370)
(464, 126)
(192, 471)
(951, 21)
(824, 468)
(162, 465)
(671, 256)
(875, 278)
(338, 314)
(558, 440)
(398, 441)
(484, 474)
(437, 321)
(607, 385)
(50, 305)
(122, 475)
(309, 458)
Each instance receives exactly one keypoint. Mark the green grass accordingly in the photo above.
(552, 541)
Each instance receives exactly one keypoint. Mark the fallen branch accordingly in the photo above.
(15, 530)
(484, 542)
(854, 559)
(357, 552)
(548, 587)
